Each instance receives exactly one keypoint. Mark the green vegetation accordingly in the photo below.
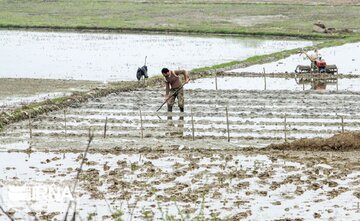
(117, 215)
(209, 17)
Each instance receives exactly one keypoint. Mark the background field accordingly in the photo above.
(193, 16)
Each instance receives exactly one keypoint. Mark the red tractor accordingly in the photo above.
(318, 65)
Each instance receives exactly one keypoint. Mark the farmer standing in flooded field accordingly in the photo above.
(174, 87)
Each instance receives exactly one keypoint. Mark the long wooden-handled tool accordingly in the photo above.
(175, 92)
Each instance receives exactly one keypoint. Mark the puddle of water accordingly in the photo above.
(112, 57)
(20, 145)
(233, 183)
(347, 63)
(258, 83)
(15, 101)
(244, 83)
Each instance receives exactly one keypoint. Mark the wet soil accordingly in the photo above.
(29, 86)
(221, 184)
(256, 119)
(338, 142)
(166, 172)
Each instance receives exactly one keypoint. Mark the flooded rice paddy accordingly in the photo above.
(17, 92)
(273, 83)
(182, 184)
(256, 119)
(148, 165)
(345, 57)
(114, 57)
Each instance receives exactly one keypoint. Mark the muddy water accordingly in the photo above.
(272, 83)
(345, 57)
(225, 184)
(17, 92)
(112, 57)
(16, 101)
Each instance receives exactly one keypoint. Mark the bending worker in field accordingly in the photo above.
(173, 83)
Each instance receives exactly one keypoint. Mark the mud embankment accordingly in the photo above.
(339, 142)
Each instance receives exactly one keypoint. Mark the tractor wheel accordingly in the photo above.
(303, 69)
(331, 69)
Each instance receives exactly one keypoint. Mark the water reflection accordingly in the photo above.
(317, 82)
(318, 85)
